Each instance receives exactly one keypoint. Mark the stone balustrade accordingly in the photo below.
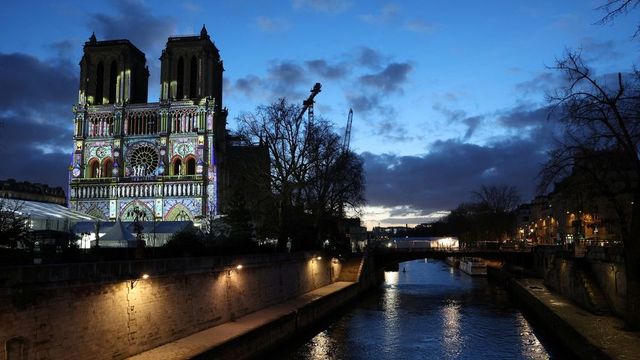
(137, 189)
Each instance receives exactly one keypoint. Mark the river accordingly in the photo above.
(427, 310)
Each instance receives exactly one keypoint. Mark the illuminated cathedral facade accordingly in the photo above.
(135, 160)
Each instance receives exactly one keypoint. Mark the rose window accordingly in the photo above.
(144, 160)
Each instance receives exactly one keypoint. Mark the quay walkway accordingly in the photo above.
(605, 335)
(271, 319)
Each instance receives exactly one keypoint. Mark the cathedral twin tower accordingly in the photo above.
(149, 161)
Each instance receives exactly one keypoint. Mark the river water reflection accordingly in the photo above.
(428, 311)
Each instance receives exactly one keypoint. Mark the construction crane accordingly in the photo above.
(308, 104)
(347, 132)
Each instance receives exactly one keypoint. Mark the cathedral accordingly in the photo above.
(135, 160)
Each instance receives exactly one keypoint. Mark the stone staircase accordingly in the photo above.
(351, 269)
(596, 300)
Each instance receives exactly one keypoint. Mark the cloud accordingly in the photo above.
(286, 77)
(418, 26)
(191, 7)
(35, 113)
(448, 174)
(287, 73)
(472, 123)
(369, 58)
(63, 49)
(272, 24)
(362, 103)
(391, 130)
(29, 84)
(386, 14)
(524, 116)
(250, 85)
(323, 6)
(451, 115)
(460, 116)
(134, 21)
(542, 83)
(322, 68)
(390, 79)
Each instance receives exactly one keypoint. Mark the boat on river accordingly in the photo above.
(473, 266)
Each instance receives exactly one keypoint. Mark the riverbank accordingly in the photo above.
(258, 331)
(586, 335)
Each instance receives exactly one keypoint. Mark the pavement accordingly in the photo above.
(208, 339)
(604, 332)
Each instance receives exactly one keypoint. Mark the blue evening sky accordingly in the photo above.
(447, 95)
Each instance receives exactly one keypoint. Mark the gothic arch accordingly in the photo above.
(136, 209)
(190, 165)
(179, 212)
(97, 213)
(176, 166)
(93, 168)
(107, 167)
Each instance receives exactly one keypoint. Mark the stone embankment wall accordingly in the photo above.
(596, 282)
(107, 310)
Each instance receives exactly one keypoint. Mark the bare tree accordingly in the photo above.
(615, 8)
(335, 176)
(14, 224)
(310, 174)
(497, 199)
(600, 152)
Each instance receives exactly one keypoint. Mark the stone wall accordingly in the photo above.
(54, 312)
(596, 282)
(608, 268)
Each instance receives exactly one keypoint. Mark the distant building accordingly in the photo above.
(49, 220)
(12, 189)
(576, 212)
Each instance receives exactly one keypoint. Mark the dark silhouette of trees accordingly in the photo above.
(494, 211)
(497, 199)
(488, 218)
(14, 225)
(615, 8)
(312, 178)
(599, 153)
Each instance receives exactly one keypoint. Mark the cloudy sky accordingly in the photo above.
(447, 95)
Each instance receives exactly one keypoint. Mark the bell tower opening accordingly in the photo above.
(113, 78)
(193, 78)
(180, 81)
(99, 83)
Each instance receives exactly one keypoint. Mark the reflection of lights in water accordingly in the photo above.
(391, 305)
(391, 277)
(531, 346)
(320, 347)
(451, 329)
